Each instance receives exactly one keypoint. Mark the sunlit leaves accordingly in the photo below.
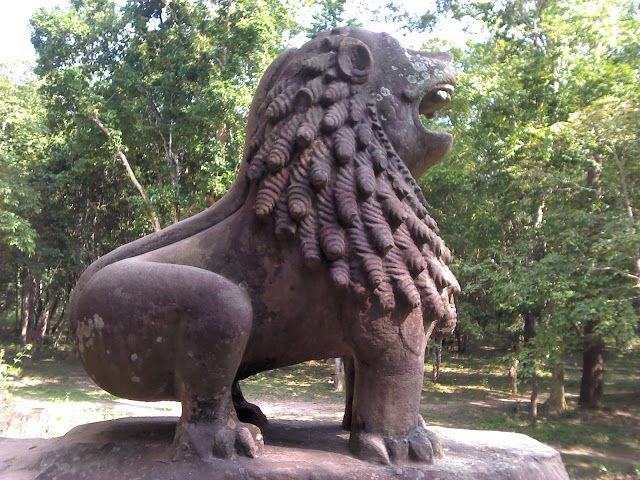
(551, 95)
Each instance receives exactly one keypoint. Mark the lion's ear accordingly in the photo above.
(354, 60)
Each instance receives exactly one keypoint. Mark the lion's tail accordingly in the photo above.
(228, 205)
(188, 227)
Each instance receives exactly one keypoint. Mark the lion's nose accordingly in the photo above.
(446, 57)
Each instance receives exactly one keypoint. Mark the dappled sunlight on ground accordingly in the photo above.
(302, 410)
(590, 453)
(50, 398)
(31, 418)
(483, 404)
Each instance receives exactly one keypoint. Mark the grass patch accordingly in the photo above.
(563, 430)
(475, 393)
(310, 381)
(56, 390)
(50, 375)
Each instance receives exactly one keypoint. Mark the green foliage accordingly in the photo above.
(22, 145)
(171, 83)
(11, 369)
(136, 121)
(539, 197)
(330, 14)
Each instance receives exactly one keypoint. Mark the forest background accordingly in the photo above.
(133, 116)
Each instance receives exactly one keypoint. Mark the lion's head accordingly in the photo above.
(334, 144)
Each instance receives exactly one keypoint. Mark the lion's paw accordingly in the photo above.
(218, 439)
(419, 445)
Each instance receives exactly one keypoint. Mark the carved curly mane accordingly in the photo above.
(329, 176)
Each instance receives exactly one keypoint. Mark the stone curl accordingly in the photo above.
(328, 175)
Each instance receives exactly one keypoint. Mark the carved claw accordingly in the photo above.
(249, 441)
(424, 446)
(218, 439)
(369, 447)
(434, 440)
(419, 445)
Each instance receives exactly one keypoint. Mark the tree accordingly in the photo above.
(330, 14)
(136, 121)
(162, 86)
(21, 135)
(23, 150)
(534, 188)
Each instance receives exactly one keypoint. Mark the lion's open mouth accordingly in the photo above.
(437, 140)
(436, 99)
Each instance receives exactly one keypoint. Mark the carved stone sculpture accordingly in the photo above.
(322, 248)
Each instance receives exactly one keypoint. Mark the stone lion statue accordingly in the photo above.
(322, 248)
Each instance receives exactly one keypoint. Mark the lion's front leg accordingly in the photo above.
(386, 425)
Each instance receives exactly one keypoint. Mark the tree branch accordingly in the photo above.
(170, 158)
(130, 173)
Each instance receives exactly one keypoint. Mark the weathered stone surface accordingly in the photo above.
(141, 448)
(322, 248)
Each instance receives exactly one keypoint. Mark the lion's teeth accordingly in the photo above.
(443, 96)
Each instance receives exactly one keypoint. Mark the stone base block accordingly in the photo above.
(140, 449)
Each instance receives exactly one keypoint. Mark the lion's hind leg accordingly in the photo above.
(247, 412)
(211, 341)
(210, 349)
(189, 324)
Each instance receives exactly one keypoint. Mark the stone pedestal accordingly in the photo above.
(140, 448)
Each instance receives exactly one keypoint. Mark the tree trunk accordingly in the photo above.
(41, 328)
(437, 360)
(40, 304)
(530, 325)
(533, 410)
(18, 303)
(592, 384)
(513, 377)
(19, 330)
(28, 314)
(338, 375)
(58, 323)
(461, 340)
(58, 328)
(47, 316)
(51, 313)
(513, 371)
(556, 403)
